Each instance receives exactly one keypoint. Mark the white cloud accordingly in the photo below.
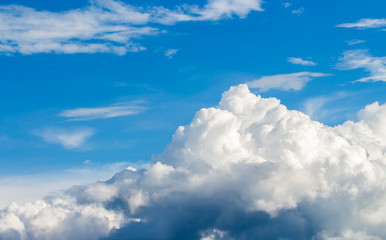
(325, 108)
(25, 188)
(355, 42)
(103, 26)
(249, 168)
(286, 4)
(355, 59)
(170, 52)
(70, 139)
(117, 110)
(285, 82)
(365, 23)
(298, 11)
(300, 61)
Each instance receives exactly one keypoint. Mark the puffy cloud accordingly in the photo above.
(69, 139)
(247, 169)
(116, 110)
(285, 82)
(300, 61)
(354, 59)
(365, 23)
(103, 26)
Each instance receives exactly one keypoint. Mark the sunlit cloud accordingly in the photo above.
(235, 171)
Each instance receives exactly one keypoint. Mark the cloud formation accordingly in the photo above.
(300, 61)
(298, 11)
(354, 42)
(365, 23)
(70, 139)
(116, 110)
(247, 169)
(171, 52)
(355, 59)
(285, 82)
(103, 26)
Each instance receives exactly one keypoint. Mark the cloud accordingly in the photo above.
(117, 110)
(105, 26)
(300, 61)
(354, 42)
(170, 52)
(70, 139)
(25, 188)
(247, 169)
(355, 59)
(285, 82)
(326, 108)
(365, 23)
(286, 4)
(298, 11)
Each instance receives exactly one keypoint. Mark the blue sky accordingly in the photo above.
(118, 93)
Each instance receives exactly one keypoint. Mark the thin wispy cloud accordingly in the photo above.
(105, 26)
(300, 61)
(286, 4)
(325, 108)
(170, 53)
(355, 42)
(355, 59)
(365, 23)
(298, 11)
(69, 139)
(116, 110)
(285, 82)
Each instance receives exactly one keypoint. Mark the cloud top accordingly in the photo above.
(249, 168)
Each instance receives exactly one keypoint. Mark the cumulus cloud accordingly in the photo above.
(285, 82)
(355, 59)
(116, 110)
(103, 26)
(70, 139)
(25, 188)
(300, 61)
(247, 169)
(365, 23)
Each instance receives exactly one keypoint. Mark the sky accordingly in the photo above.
(89, 88)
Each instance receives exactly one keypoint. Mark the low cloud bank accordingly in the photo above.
(247, 169)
